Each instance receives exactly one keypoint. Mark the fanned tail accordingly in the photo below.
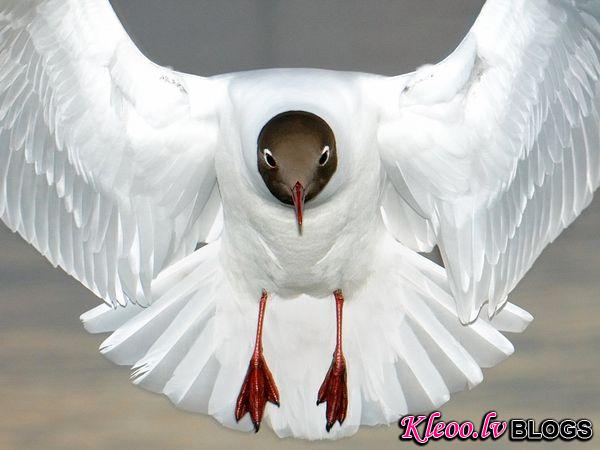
(405, 348)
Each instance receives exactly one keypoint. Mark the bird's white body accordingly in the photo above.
(261, 245)
(115, 169)
(194, 342)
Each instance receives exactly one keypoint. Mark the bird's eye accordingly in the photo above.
(324, 156)
(269, 159)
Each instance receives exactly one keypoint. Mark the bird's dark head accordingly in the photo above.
(297, 157)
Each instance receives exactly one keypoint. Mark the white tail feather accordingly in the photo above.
(405, 347)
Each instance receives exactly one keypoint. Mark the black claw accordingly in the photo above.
(256, 426)
(329, 426)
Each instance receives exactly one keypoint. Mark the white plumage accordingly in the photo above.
(115, 169)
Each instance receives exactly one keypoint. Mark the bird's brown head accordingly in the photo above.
(297, 157)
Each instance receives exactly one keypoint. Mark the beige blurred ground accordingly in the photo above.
(57, 392)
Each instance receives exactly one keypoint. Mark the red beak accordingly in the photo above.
(298, 199)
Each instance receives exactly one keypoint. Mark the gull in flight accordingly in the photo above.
(256, 236)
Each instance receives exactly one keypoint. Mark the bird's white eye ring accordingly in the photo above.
(324, 155)
(269, 159)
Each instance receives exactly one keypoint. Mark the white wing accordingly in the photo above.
(497, 147)
(106, 163)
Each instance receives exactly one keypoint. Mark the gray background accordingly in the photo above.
(57, 392)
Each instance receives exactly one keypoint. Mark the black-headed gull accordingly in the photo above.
(307, 186)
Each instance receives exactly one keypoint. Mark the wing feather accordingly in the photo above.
(501, 163)
(104, 167)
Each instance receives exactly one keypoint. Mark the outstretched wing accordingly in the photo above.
(497, 147)
(106, 159)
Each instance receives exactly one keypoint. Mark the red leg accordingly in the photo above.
(258, 387)
(334, 390)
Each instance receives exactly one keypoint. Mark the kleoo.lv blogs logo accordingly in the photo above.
(425, 428)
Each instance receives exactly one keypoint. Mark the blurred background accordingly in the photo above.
(58, 392)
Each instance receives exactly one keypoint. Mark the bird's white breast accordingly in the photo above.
(262, 247)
